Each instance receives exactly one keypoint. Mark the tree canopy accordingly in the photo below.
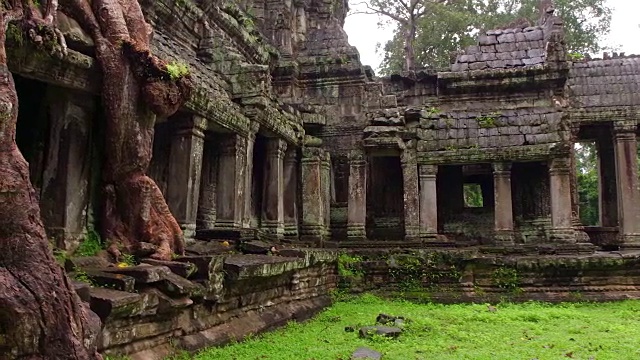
(450, 25)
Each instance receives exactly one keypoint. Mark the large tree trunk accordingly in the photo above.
(41, 317)
(409, 49)
(136, 88)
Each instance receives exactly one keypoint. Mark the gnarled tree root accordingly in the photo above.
(136, 209)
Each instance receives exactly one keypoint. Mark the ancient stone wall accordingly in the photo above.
(156, 308)
(457, 276)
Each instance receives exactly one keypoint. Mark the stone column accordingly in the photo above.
(231, 182)
(325, 181)
(185, 165)
(65, 193)
(357, 205)
(208, 185)
(428, 202)
(608, 194)
(503, 223)
(561, 207)
(626, 147)
(291, 194)
(248, 179)
(409, 164)
(273, 210)
(313, 227)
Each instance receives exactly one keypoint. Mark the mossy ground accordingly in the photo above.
(514, 331)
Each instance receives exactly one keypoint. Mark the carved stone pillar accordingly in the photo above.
(357, 205)
(325, 181)
(231, 182)
(409, 163)
(313, 227)
(428, 202)
(626, 147)
(561, 206)
(273, 210)
(503, 223)
(208, 186)
(67, 169)
(291, 194)
(248, 179)
(185, 165)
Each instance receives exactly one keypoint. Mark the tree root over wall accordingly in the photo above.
(41, 317)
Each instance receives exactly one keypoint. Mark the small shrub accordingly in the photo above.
(91, 245)
(488, 121)
(177, 70)
(506, 278)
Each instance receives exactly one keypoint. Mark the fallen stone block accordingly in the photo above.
(366, 353)
(106, 303)
(206, 265)
(177, 286)
(85, 262)
(181, 268)
(386, 331)
(82, 289)
(144, 273)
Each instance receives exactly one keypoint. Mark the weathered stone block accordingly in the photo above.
(506, 38)
(534, 35)
(487, 40)
(144, 273)
(184, 269)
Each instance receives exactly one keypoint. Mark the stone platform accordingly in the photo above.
(473, 275)
(157, 307)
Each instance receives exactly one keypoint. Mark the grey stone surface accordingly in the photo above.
(366, 353)
(386, 331)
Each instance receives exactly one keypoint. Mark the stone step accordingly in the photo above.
(239, 267)
(82, 289)
(144, 274)
(182, 268)
(206, 265)
(111, 281)
(113, 303)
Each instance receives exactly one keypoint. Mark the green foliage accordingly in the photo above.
(349, 270)
(506, 278)
(349, 266)
(473, 196)
(418, 272)
(60, 256)
(587, 179)
(575, 56)
(453, 25)
(433, 110)
(81, 275)
(15, 34)
(177, 70)
(466, 331)
(91, 245)
(128, 259)
(488, 121)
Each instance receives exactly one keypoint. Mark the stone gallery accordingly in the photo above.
(288, 151)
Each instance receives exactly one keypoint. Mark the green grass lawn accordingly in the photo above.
(514, 331)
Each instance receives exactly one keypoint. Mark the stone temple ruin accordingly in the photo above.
(289, 139)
